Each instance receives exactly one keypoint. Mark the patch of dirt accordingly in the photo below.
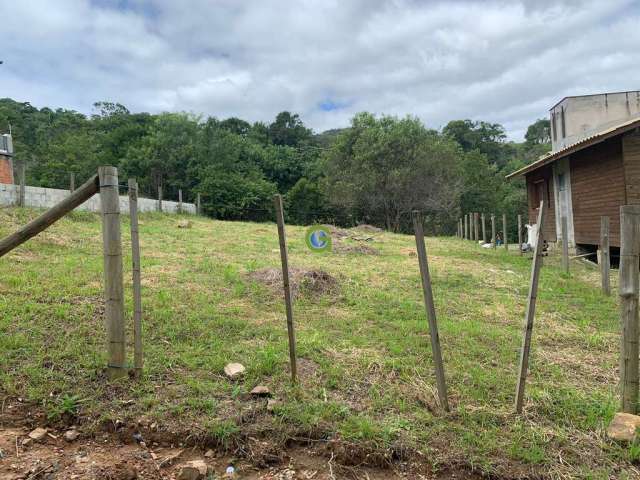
(360, 248)
(311, 283)
(369, 228)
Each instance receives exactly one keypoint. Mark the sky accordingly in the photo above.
(503, 62)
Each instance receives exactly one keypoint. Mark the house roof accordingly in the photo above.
(579, 145)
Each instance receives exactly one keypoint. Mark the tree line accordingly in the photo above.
(375, 171)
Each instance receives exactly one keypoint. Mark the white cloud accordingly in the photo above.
(499, 61)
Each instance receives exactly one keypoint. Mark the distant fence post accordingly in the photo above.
(530, 312)
(72, 182)
(198, 210)
(431, 311)
(179, 200)
(493, 231)
(520, 234)
(565, 244)
(476, 217)
(466, 227)
(135, 270)
(113, 284)
(484, 229)
(284, 257)
(605, 259)
(505, 236)
(628, 290)
(23, 183)
(159, 198)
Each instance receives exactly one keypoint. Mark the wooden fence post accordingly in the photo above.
(23, 183)
(520, 234)
(484, 229)
(605, 259)
(72, 182)
(466, 227)
(198, 211)
(159, 198)
(530, 313)
(628, 289)
(113, 284)
(285, 282)
(476, 229)
(493, 231)
(565, 244)
(431, 311)
(505, 240)
(135, 270)
(179, 200)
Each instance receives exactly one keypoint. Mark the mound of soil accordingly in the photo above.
(369, 228)
(360, 248)
(311, 283)
(337, 232)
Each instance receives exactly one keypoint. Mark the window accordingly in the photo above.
(4, 144)
(553, 126)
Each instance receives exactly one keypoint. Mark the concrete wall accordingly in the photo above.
(589, 114)
(47, 197)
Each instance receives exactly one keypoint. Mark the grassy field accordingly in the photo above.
(367, 384)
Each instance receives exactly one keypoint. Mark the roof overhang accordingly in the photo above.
(582, 144)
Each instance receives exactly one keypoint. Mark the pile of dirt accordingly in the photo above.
(310, 283)
(368, 228)
(337, 232)
(359, 248)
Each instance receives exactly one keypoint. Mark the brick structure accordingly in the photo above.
(6, 169)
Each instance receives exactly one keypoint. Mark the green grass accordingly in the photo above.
(366, 366)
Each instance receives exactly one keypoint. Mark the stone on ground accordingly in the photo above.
(261, 391)
(38, 434)
(71, 435)
(623, 427)
(234, 370)
(184, 224)
(193, 470)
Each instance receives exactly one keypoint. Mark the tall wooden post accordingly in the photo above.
(159, 198)
(493, 231)
(605, 260)
(520, 234)
(431, 310)
(113, 285)
(484, 229)
(628, 290)
(476, 226)
(135, 271)
(72, 182)
(285, 282)
(198, 209)
(504, 232)
(530, 313)
(565, 244)
(466, 226)
(179, 200)
(23, 183)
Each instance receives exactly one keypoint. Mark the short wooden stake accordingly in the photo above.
(628, 290)
(476, 226)
(520, 234)
(287, 288)
(493, 231)
(530, 313)
(179, 200)
(431, 310)
(565, 244)
(135, 270)
(23, 183)
(605, 259)
(504, 232)
(484, 229)
(72, 182)
(466, 227)
(159, 198)
(113, 284)
(198, 209)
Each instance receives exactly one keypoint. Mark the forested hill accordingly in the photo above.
(376, 171)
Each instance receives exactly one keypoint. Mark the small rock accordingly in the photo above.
(137, 436)
(234, 370)
(194, 470)
(38, 434)
(623, 427)
(184, 224)
(26, 442)
(71, 435)
(272, 404)
(261, 391)
(209, 454)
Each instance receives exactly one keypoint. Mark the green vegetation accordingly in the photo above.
(376, 171)
(365, 365)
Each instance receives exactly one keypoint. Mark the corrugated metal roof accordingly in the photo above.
(574, 147)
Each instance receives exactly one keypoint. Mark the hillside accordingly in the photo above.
(367, 390)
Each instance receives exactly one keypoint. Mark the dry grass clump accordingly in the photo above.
(311, 283)
(359, 248)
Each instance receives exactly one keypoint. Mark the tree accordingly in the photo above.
(288, 129)
(487, 138)
(538, 133)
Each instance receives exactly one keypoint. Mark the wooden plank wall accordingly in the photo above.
(631, 161)
(544, 173)
(597, 189)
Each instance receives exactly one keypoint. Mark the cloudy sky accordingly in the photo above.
(500, 61)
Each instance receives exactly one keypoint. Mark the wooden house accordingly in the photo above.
(593, 167)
